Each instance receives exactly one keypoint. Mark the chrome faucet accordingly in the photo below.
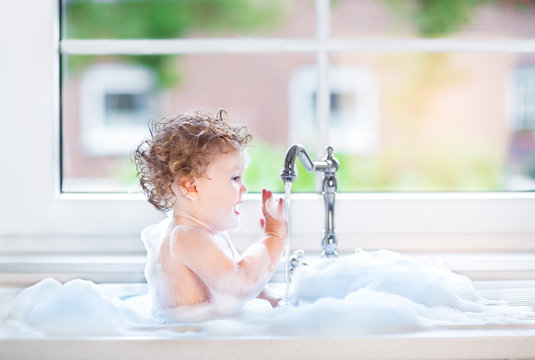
(328, 165)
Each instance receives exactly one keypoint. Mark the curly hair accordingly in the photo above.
(180, 147)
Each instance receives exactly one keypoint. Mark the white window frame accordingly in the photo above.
(34, 214)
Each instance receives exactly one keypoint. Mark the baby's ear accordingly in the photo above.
(187, 188)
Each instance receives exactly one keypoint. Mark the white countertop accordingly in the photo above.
(458, 344)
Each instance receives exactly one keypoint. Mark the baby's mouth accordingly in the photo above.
(237, 208)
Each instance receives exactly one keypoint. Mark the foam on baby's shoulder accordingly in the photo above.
(153, 235)
(186, 230)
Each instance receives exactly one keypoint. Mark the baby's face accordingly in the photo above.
(221, 190)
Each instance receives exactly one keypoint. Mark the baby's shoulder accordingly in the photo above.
(184, 234)
(188, 240)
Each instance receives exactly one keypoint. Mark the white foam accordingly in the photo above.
(429, 284)
(78, 307)
(371, 293)
(153, 236)
(364, 293)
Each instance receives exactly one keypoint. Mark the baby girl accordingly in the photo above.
(192, 167)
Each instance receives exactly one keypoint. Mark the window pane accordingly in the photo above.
(168, 19)
(470, 19)
(434, 122)
(108, 101)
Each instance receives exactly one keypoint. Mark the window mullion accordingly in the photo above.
(323, 93)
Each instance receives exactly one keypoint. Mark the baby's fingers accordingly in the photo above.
(267, 197)
(275, 209)
(264, 211)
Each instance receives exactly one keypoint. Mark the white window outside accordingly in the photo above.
(354, 108)
(524, 98)
(115, 102)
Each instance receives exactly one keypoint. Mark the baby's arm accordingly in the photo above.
(198, 250)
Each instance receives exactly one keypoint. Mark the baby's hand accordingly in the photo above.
(269, 295)
(274, 221)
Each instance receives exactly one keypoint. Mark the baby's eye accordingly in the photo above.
(235, 178)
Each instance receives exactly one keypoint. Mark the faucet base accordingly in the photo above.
(329, 244)
(329, 255)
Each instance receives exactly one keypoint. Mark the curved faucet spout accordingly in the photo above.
(289, 171)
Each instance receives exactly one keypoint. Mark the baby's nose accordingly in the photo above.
(243, 189)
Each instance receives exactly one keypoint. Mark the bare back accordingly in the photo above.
(178, 284)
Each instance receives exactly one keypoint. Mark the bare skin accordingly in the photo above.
(197, 259)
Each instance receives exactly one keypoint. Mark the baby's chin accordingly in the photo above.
(232, 224)
(236, 224)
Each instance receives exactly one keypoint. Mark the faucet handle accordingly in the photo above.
(296, 260)
(332, 163)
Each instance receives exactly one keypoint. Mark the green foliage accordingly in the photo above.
(460, 167)
(164, 19)
(124, 171)
(136, 19)
(446, 167)
(262, 172)
(166, 72)
(435, 18)
(438, 17)
(305, 182)
(264, 169)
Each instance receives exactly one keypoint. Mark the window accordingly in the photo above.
(433, 87)
(401, 115)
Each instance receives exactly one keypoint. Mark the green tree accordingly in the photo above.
(164, 19)
(437, 18)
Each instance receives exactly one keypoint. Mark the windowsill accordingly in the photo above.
(25, 270)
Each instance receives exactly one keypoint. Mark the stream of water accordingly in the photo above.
(287, 196)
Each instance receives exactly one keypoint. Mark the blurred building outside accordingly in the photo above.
(398, 121)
